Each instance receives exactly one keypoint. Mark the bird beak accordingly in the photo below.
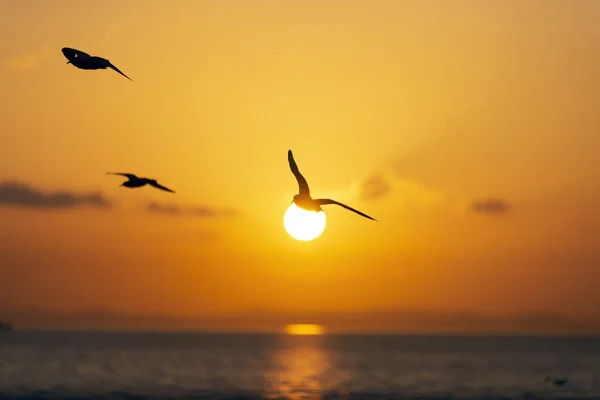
(68, 62)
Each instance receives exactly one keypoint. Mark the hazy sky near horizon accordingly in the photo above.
(469, 129)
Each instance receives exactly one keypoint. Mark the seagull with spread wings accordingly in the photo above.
(83, 60)
(135, 182)
(303, 199)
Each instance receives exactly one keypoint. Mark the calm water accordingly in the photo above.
(202, 366)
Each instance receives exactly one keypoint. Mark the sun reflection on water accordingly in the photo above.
(299, 369)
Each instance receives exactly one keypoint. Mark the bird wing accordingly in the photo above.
(156, 185)
(71, 54)
(118, 70)
(322, 202)
(302, 184)
(130, 176)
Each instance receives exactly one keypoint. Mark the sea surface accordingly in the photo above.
(127, 366)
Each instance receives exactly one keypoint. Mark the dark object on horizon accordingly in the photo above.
(135, 182)
(303, 199)
(83, 60)
(6, 326)
(557, 381)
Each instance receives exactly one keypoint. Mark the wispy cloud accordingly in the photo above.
(21, 195)
(375, 187)
(198, 211)
(398, 178)
(164, 209)
(414, 190)
(27, 61)
(382, 184)
(491, 206)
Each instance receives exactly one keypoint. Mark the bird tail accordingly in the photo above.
(119, 71)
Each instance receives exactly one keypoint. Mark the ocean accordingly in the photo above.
(161, 366)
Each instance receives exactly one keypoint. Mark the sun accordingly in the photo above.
(304, 329)
(302, 224)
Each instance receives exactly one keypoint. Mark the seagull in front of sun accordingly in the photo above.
(84, 61)
(303, 199)
(135, 182)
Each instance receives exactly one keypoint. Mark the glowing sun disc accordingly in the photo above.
(303, 225)
(304, 329)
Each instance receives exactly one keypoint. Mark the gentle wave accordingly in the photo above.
(77, 366)
(211, 395)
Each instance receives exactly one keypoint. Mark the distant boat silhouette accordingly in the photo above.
(557, 381)
(83, 60)
(6, 326)
(135, 182)
(303, 199)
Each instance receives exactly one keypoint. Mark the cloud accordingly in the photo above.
(412, 189)
(20, 195)
(398, 178)
(27, 61)
(380, 184)
(200, 211)
(163, 209)
(375, 187)
(491, 206)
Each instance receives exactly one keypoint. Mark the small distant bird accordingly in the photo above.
(135, 182)
(303, 199)
(557, 381)
(84, 61)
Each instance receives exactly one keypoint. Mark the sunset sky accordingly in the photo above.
(469, 129)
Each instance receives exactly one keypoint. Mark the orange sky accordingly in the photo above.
(435, 104)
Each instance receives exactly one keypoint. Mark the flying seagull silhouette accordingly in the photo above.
(84, 61)
(135, 182)
(303, 199)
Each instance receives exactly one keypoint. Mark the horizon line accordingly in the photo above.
(259, 332)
